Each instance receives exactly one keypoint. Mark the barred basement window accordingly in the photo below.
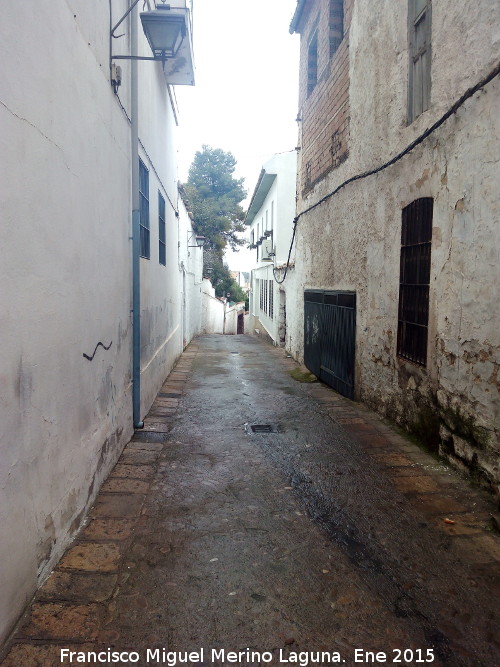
(162, 248)
(415, 269)
(144, 209)
(312, 63)
(336, 24)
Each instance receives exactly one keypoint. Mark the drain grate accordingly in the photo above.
(261, 428)
(172, 395)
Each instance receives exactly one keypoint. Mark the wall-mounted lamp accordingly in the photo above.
(164, 31)
(200, 241)
(165, 28)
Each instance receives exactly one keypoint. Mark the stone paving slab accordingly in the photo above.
(110, 529)
(162, 427)
(126, 471)
(35, 655)
(119, 485)
(70, 622)
(135, 445)
(142, 457)
(77, 587)
(119, 505)
(91, 557)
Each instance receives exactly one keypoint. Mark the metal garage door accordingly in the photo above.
(330, 337)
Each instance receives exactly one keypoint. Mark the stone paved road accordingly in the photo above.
(327, 535)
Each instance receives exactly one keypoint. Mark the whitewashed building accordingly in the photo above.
(270, 218)
(397, 253)
(71, 306)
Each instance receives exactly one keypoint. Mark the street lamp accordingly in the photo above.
(200, 241)
(165, 28)
(164, 31)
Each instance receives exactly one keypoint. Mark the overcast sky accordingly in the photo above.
(246, 94)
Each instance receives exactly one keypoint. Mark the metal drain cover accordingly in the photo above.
(261, 428)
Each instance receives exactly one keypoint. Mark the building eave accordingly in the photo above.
(260, 193)
(297, 16)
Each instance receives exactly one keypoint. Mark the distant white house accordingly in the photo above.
(69, 367)
(270, 219)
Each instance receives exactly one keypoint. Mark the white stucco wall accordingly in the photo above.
(276, 212)
(352, 242)
(191, 268)
(65, 259)
(212, 313)
(232, 314)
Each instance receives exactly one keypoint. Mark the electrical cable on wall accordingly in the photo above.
(453, 109)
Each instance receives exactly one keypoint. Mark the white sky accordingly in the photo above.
(246, 94)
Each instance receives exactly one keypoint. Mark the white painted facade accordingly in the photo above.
(212, 313)
(352, 241)
(270, 221)
(65, 265)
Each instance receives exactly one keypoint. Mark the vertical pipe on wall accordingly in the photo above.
(136, 227)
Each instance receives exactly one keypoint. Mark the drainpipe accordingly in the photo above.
(136, 227)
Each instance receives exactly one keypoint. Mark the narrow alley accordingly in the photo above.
(321, 535)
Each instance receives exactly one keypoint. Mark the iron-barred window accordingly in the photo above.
(144, 208)
(162, 248)
(415, 269)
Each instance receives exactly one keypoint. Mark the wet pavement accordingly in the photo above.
(326, 536)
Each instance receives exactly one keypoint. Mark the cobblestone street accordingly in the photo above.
(327, 532)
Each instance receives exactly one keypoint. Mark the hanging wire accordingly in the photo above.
(453, 109)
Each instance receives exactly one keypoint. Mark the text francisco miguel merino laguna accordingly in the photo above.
(214, 656)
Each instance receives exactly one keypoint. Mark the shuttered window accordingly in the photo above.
(312, 63)
(415, 269)
(419, 29)
(336, 24)
(162, 248)
(144, 209)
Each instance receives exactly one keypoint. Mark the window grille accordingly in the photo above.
(419, 29)
(162, 248)
(144, 209)
(415, 268)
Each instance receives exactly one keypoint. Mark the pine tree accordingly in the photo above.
(214, 198)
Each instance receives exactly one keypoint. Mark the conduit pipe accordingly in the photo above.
(136, 227)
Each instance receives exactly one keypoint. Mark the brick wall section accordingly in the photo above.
(325, 111)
